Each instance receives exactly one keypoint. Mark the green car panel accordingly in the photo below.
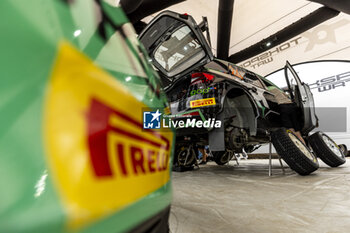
(32, 33)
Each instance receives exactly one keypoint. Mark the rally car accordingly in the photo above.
(239, 110)
(73, 154)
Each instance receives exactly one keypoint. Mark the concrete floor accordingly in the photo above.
(244, 198)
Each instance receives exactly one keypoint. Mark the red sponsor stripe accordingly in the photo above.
(139, 125)
(98, 129)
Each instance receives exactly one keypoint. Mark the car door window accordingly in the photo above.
(294, 84)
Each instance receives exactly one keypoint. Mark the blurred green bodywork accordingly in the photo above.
(30, 34)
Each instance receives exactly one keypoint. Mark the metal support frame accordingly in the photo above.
(270, 160)
(339, 5)
(313, 19)
(234, 154)
(225, 13)
(138, 10)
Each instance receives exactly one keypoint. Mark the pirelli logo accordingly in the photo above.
(202, 102)
(101, 160)
(133, 153)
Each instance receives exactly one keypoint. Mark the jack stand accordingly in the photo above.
(236, 158)
(279, 158)
(244, 155)
(270, 160)
(240, 156)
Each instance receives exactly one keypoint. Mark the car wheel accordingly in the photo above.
(326, 149)
(344, 149)
(222, 157)
(184, 156)
(295, 153)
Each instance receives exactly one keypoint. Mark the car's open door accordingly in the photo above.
(300, 93)
(176, 45)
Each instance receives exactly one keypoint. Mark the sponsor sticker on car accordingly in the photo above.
(202, 102)
(100, 158)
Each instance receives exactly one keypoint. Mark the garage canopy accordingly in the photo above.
(263, 34)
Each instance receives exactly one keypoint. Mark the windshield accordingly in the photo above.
(179, 51)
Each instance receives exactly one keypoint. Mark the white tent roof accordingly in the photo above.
(254, 20)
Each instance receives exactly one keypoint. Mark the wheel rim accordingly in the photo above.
(184, 157)
(301, 146)
(225, 157)
(332, 145)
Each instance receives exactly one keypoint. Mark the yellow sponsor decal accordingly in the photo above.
(100, 158)
(202, 102)
(167, 111)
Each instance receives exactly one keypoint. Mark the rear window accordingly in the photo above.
(179, 51)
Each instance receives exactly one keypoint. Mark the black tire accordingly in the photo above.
(344, 149)
(184, 156)
(222, 157)
(326, 149)
(294, 152)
